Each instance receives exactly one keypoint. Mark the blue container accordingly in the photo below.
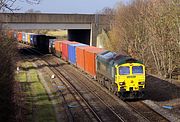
(31, 39)
(72, 52)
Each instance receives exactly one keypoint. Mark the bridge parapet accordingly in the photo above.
(46, 18)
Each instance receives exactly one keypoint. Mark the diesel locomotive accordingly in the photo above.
(121, 74)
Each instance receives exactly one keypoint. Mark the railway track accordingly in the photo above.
(102, 96)
(137, 106)
(83, 101)
(76, 108)
(143, 110)
(108, 112)
(148, 113)
(117, 113)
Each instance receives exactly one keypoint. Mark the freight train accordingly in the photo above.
(120, 74)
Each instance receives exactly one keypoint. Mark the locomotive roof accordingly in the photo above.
(115, 59)
(122, 59)
(106, 56)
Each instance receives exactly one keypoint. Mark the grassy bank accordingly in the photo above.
(36, 101)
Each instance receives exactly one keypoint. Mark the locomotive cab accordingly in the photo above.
(130, 79)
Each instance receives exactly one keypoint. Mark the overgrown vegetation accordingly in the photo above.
(37, 105)
(7, 64)
(10, 106)
(149, 30)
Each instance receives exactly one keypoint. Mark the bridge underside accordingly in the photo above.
(82, 36)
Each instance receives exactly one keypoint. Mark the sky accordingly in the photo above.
(68, 6)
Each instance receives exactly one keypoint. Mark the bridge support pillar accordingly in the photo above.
(94, 33)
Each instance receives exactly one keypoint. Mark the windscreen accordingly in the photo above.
(124, 70)
(137, 70)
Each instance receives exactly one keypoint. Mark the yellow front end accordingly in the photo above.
(130, 78)
(29, 39)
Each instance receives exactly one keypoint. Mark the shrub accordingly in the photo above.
(7, 64)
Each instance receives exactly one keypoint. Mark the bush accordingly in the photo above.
(7, 64)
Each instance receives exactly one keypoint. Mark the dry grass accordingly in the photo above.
(57, 33)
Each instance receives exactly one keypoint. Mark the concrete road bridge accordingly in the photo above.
(81, 27)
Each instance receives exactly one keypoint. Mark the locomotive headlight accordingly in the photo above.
(141, 83)
(122, 83)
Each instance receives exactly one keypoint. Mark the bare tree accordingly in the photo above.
(12, 105)
(9, 4)
(150, 31)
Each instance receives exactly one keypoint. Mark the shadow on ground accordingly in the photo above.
(160, 90)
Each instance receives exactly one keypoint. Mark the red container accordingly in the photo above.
(65, 49)
(90, 60)
(19, 37)
(80, 56)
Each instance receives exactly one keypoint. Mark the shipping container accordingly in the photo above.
(80, 56)
(15, 35)
(65, 49)
(52, 45)
(26, 38)
(43, 43)
(58, 48)
(23, 37)
(50, 41)
(90, 60)
(32, 38)
(19, 37)
(29, 37)
(35, 39)
(72, 52)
